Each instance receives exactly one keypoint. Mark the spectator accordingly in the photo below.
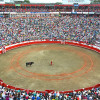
(81, 28)
(10, 94)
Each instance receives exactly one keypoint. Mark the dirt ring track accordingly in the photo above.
(73, 67)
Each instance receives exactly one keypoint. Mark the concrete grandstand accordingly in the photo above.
(25, 24)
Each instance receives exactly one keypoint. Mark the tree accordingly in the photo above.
(58, 3)
(95, 1)
(26, 1)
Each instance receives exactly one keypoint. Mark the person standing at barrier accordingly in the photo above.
(3, 49)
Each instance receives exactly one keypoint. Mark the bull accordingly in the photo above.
(29, 63)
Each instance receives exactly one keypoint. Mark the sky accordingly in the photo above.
(54, 1)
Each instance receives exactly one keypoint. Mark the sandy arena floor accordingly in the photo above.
(73, 67)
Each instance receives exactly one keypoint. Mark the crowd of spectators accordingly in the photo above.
(81, 28)
(89, 9)
(34, 10)
(77, 28)
(43, 9)
(11, 94)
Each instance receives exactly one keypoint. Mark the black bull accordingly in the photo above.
(29, 63)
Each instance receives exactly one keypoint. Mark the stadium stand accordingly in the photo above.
(48, 8)
(12, 94)
(81, 27)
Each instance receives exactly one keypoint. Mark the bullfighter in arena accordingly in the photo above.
(51, 62)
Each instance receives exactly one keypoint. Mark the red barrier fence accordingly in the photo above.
(80, 44)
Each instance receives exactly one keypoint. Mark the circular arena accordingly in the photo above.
(70, 65)
(49, 53)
